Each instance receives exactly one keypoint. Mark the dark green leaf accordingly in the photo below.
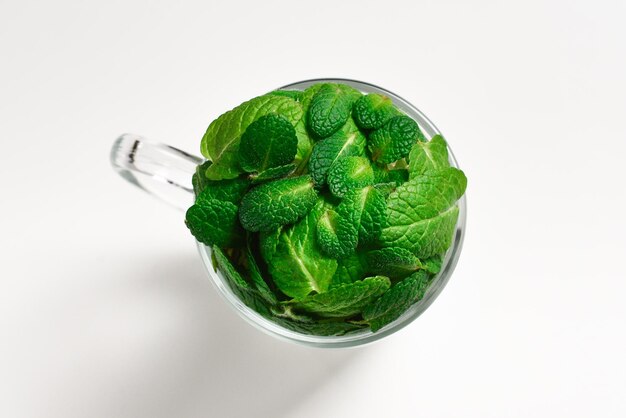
(393, 140)
(268, 142)
(393, 303)
(330, 109)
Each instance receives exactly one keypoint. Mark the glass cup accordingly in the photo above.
(166, 172)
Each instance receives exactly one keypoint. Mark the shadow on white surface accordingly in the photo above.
(152, 338)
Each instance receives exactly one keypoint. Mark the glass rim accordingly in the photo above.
(365, 336)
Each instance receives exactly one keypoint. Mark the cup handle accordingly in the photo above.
(161, 170)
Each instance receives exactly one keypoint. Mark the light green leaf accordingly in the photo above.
(433, 264)
(427, 156)
(293, 94)
(220, 143)
(294, 259)
(345, 300)
(421, 214)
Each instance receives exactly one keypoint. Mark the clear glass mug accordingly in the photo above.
(166, 172)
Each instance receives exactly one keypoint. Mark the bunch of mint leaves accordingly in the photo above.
(327, 210)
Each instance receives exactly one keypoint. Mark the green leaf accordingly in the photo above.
(421, 214)
(294, 259)
(317, 327)
(433, 264)
(350, 269)
(305, 141)
(427, 156)
(393, 303)
(386, 175)
(393, 262)
(214, 222)
(366, 209)
(373, 110)
(268, 142)
(220, 143)
(305, 147)
(386, 188)
(224, 190)
(292, 94)
(272, 173)
(257, 278)
(336, 239)
(345, 300)
(199, 180)
(330, 108)
(343, 143)
(240, 287)
(277, 203)
(349, 173)
(393, 140)
(398, 176)
(308, 94)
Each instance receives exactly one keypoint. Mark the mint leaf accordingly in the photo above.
(394, 262)
(240, 287)
(366, 209)
(344, 143)
(214, 222)
(198, 179)
(393, 303)
(305, 142)
(350, 269)
(394, 139)
(257, 278)
(223, 190)
(272, 173)
(373, 110)
(292, 94)
(349, 173)
(277, 203)
(268, 142)
(330, 108)
(345, 300)
(305, 147)
(433, 264)
(317, 327)
(220, 143)
(421, 214)
(336, 239)
(427, 156)
(386, 175)
(294, 259)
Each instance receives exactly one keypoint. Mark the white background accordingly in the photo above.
(105, 310)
